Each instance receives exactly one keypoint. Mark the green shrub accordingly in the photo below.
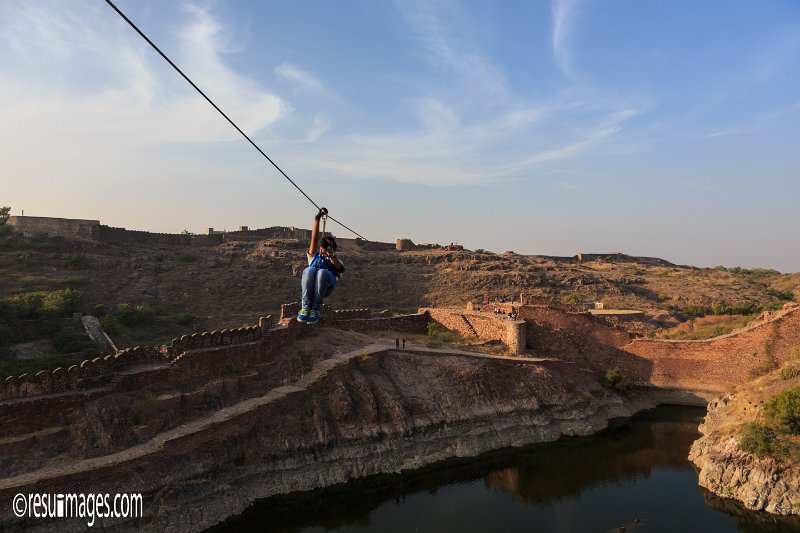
(184, 319)
(433, 328)
(694, 310)
(61, 303)
(615, 379)
(784, 410)
(761, 440)
(789, 372)
(110, 324)
(99, 310)
(70, 340)
(6, 335)
(77, 260)
(131, 315)
(743, 309)
(766, 366)
(31, 305)
(5, 212)
(27, 305)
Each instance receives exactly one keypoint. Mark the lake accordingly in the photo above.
(632, 477)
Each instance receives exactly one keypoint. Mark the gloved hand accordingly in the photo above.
(322, 212)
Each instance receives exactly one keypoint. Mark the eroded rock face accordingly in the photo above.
(386, 414)
(759, 484)
(376, 414)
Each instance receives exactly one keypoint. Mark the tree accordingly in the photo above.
(5, 212)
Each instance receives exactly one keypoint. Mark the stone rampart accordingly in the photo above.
(91, 373)
(713, 364)
(482, 325)
(74, 229)
(416, 323)
(723, 361)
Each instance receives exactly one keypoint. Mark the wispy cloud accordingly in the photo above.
(126, 87)
(319, 127)
(304, 79)
(778, 113)
(446, 40)
(445, 152)
(564, 14)
(725, 133)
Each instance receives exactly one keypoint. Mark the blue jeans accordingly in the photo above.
(317, 283)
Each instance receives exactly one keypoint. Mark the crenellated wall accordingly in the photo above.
(98, 371)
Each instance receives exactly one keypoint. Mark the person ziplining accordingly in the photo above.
(319, 277)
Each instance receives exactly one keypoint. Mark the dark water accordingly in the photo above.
(634, 475)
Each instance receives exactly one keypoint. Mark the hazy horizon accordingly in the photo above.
(546, 128)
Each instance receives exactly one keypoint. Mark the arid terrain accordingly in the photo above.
(195, 288)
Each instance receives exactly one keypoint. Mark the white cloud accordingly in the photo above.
(445, 152)
(564, 15)
(778, 113)
(446, 39)
(303, 78)
(319, 127)
(93, 78)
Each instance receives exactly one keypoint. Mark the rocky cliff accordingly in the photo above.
(758, 483)
(373, 413)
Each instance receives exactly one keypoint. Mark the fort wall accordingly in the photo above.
(93, 231)
(416, 323)
(67, 228)
(481, 325)
(727, 360)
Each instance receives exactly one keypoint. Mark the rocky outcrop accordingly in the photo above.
(375, 413)
(759, 484)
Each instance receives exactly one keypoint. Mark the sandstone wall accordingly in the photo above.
(723, 361)
(714, 364)
(416, 323)
(481, 325)
(98, 371)
(75, 229)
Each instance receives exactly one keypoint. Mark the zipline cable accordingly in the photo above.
(232, 123)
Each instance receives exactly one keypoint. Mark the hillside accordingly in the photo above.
(188, 288)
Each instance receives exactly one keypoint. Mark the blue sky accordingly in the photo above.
(667, 129)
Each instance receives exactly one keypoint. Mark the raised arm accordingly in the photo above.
(314, 245)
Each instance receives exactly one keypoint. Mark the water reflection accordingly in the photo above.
(635, 475)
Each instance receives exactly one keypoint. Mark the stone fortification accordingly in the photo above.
(91, 372)
(485, 326)
(93, 231)
(67, 228)
(714, 364)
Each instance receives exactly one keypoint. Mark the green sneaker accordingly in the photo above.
(302, 316)
(313, 317)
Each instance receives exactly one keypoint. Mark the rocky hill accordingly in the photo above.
(223, 285)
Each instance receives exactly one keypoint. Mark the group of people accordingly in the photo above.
(512, 314)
